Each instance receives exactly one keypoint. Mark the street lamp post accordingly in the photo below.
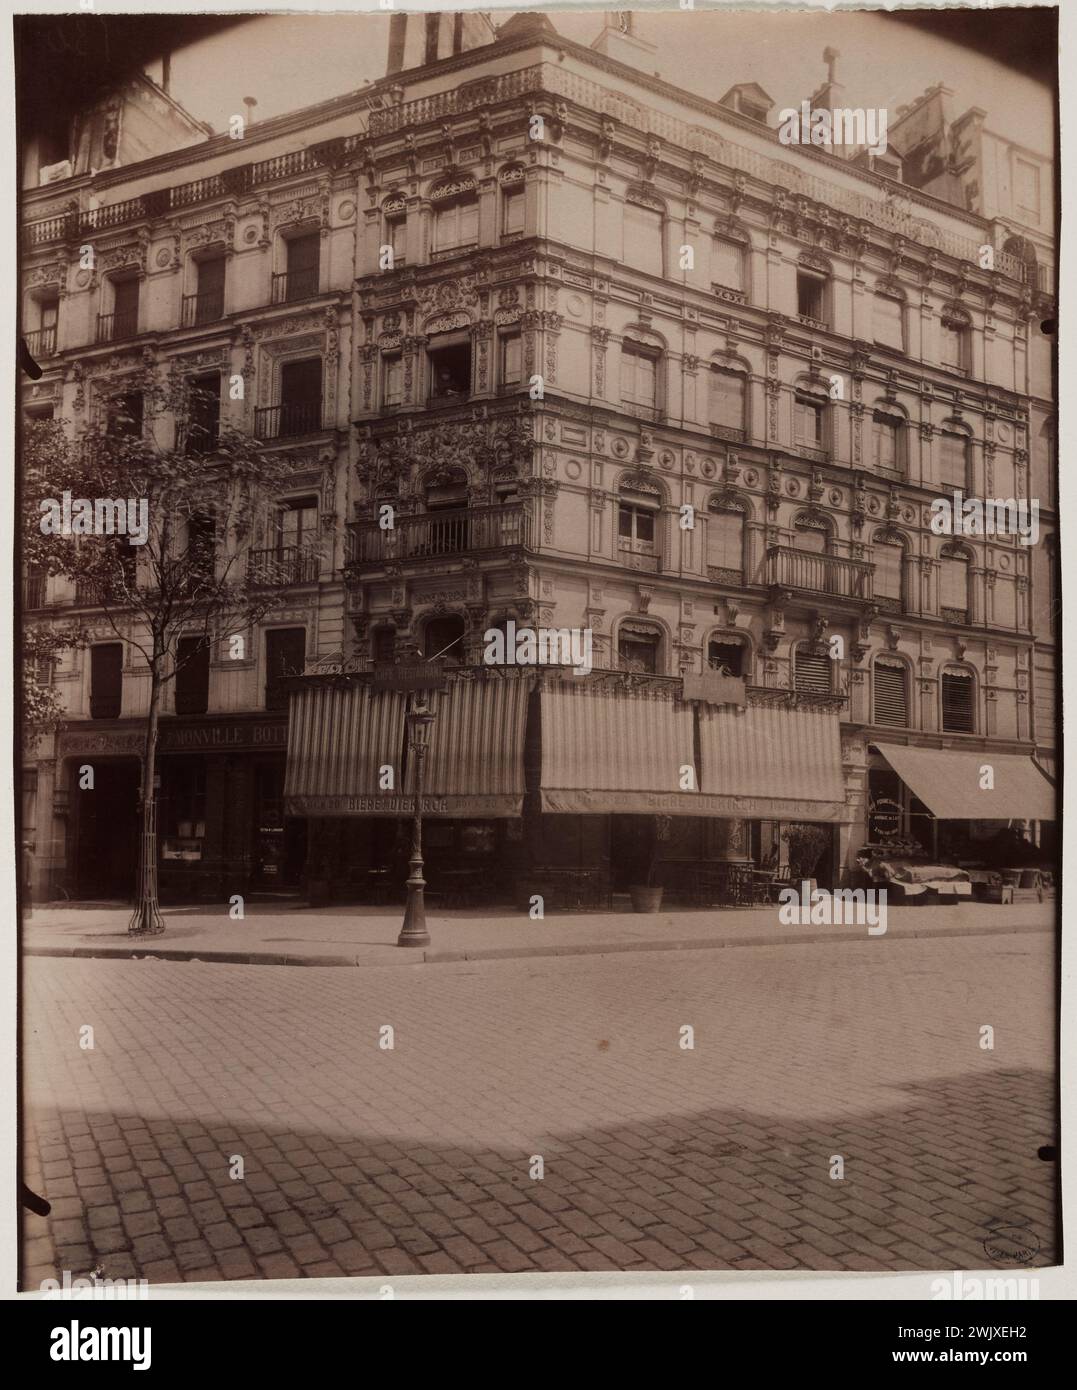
(413, 931)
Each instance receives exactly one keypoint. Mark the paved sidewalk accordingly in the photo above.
(299, 935)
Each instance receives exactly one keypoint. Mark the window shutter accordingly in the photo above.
(889, 562)
(728, 267)
(952, 463)
(950, 336)
(727, 399)
(512, 358)
(512, 210)
(954, 584)
(813, 672)
(886, 442)
(891, 703)
(469, 223)
(643, 238)
(888, 321)
(957, 707)
(725, 540)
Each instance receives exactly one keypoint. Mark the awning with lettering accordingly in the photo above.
(772, 763)
(341, 738)
(965, 784)
(616, 752)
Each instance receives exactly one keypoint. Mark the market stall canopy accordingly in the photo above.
(950, 783)
(616, 753)
(341, 737)
(771, 762)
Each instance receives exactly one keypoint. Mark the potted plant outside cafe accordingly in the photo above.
(647, 894)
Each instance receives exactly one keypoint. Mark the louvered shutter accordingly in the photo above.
(891, 702)
(813, 672)
(728, 267)
(958, 715)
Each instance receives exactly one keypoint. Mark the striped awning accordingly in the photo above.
(612, 752)
(475, 758)
(771, 762)
(342, 739)
(954, 784)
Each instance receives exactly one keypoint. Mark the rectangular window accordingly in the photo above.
(201, 548)
(192, 676)
(302, 265)
(393, 377)
(636, 524)
(886, 431)
(888, 321)
(204, 407)
(725, 540)
(125, 414)
(891, 703)
(512, 211)
(808, 421)
(953, 460)
(450, 369)
(958, 713)
(810, 295)
(727, 399)
(639, 378)
(951, 345)
(456, 226)
(209, 298)
(286, 655)
(300, 397)
(512, 361)
(183, 809)
(125, 307)
(398, 239)
(106, 680)
(726, 657)
(889, 565)
(954, 585)
(727, 267)
(643, 238)
(385, 644)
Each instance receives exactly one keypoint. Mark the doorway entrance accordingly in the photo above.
(107, 829)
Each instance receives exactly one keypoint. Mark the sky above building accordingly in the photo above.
(293, 60)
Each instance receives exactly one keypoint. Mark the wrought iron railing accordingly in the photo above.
(283, 564)
(456, 532)
(202, 308)
(812, 572)
(290, 285)
(288, 420)
(112, 327)
(41, 342)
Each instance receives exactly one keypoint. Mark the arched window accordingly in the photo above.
(813, 669)
(644, 234)
(957, 690)
(954, 584)
(725, 542)
(888, 442)
(728, 397)
(888, 553)
(953, 459)
(639, 648)
(396, 227)
(890, 692)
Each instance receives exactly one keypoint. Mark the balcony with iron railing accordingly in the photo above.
(292, 285)
(41, 342)
(461, 531)
(283, 564)
(288, 420)
(808, 571)
(33, 590)
(202, 308)
(112, 327)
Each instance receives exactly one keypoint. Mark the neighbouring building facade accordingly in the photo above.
(551, 342)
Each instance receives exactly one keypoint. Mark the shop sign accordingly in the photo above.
(409, 675)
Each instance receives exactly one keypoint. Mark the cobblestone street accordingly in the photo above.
(360, 1159)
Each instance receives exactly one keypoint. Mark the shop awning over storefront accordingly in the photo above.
(475, 760)
(771, 763)
(617, 753)
(950, 783)
(340, 738)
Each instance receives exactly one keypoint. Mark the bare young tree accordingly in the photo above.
(150, 510)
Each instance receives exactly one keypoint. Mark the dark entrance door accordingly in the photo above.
(280, 849)
(106, 856)
(632, 847)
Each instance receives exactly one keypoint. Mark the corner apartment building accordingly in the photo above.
(610, 357)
